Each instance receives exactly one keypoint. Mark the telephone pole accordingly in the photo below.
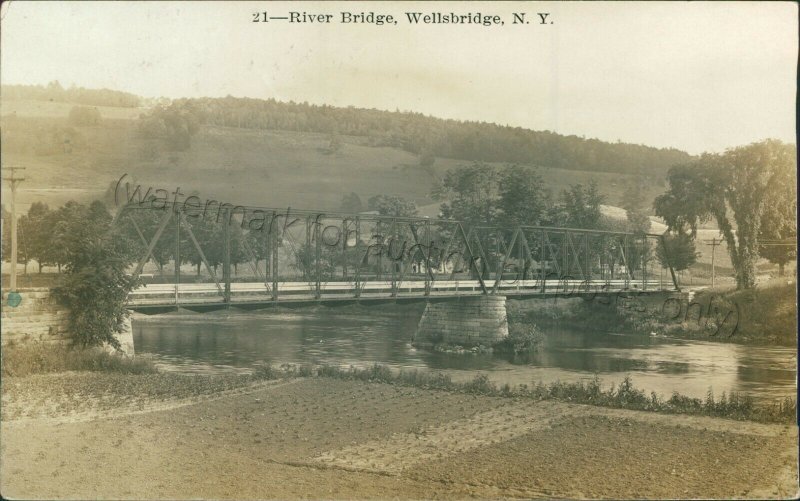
(14, 180)
(714, 245)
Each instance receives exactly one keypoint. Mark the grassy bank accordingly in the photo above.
(624, 396)
(42, 358)
(764, 315)
(122, 379)
(768, 312)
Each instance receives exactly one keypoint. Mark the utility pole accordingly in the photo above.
(226, 256)
(714, 245)
(14, 180)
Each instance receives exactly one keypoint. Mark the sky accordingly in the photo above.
(691, 75)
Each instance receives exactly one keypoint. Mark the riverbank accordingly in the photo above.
(766, 315)
(146, 436)
(95, 380)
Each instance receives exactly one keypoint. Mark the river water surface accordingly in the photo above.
(239, 341)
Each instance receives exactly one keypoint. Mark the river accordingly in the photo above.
(360, 336)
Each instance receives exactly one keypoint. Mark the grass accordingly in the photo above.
(769, 312)
(41, 358)
(241, 166)
(766, 314)
(623, 396)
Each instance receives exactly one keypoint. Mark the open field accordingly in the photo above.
(52, 109)
(327, 438)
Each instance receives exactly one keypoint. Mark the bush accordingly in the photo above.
(95, 286)
(174, 125)
(628, 396)
(481, 385)
(427, 160)
(267, 372)
(523, 338)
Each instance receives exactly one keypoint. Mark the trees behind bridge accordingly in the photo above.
(749, 192)
(515, 196)
(483, 195)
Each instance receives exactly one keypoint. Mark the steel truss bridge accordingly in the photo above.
(297, 257)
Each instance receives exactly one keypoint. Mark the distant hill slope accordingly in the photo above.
(413, 132)
(280, 154)
(270, 168)
(424, 136)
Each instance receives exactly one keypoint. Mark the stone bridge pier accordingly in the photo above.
(465, 321)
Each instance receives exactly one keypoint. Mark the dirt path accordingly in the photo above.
(324, 438)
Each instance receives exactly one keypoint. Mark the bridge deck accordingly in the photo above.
(155, 297)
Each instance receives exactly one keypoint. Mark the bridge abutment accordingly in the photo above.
(464, 321)
(38, 318)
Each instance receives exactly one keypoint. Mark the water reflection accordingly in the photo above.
(237, 341)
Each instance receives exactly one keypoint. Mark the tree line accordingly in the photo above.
(53, 91)
(477, 195)
(749, 192)
(41, 234)
(480, 194)
(422, 135)
(175, 122)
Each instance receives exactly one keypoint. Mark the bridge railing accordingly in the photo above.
(288, 254)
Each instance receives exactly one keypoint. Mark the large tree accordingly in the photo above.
(523, 197)
(351, 203)
(95, 286)
(391, 205)
(636, 207)
(38, 237)
(678, 251)
(468, 194)
(778, 232)
(734, 189)
(580, 207)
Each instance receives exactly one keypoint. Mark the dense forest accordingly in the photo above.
(175, 122)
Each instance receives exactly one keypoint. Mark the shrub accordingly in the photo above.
(95, 286)
(481, 385)
(625, 395)
(40, 358)
(266, 372)
(523, 338)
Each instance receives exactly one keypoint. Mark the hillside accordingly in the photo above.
(241, 165)
(273, 168)
(175, 121)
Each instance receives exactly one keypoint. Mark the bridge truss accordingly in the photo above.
(296, 257)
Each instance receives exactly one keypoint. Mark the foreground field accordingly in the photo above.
(328, 438)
